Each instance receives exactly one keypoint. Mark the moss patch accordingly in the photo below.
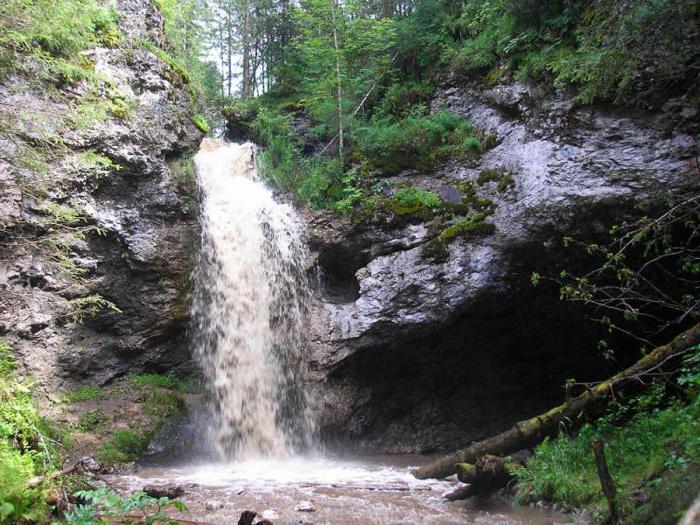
(471, 227)
(504, 179)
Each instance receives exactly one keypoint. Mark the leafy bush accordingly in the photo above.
(105, 507)
(52, 33)
(409, 201)
(23, 450)
(125, 446)
(400, 99)
(630, 53)
(416, 141)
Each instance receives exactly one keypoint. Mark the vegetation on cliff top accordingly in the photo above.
(364, 73)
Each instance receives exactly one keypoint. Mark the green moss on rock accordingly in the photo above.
(472, 227)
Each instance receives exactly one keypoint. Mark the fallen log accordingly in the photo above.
(591, 403)
(38, 480)
(486, 475)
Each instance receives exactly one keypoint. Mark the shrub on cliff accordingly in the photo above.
(52, 33)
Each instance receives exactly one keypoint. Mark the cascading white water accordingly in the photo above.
(250, 304)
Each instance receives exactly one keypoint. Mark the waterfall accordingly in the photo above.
(250, 307)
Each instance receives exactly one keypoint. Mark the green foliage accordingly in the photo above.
(157, 380)
(401, 99)
(83, 393)
(89, 306)
(91, 421)
(417, 141)
(61, 214)
(180, 74)
(52, 33)
(647, 440)
(646, 273)
(185, 173)
(23, 450)
(631, 53)
(504, 179)
(99, 104)
(124, 446)
(470, 227)
(187, 29)
(104, 507)
(93, 163)
(201, 123)
(163, 405)
(410, 201)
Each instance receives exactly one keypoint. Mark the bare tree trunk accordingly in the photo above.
(334, 20)
(245, 41)
(230, 47)
(606, 482)
(577, 410)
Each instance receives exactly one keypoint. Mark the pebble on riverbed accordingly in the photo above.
(269, 514)
(305, 506)
(164, 491)
(213, 504)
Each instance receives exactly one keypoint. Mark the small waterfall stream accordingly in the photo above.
(250, 308)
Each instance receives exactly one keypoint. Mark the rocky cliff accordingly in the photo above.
(421, 344)
(97, 215)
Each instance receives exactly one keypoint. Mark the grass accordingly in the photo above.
(650, 441)
(83, 393)
(156, 380)
(51, 34)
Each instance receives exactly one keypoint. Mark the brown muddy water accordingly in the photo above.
(378, 490)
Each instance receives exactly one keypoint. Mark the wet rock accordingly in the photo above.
(90, 464)
(119, 468)
(267, 515)
(640, 497)
(143, 255)
(164, 491)
(416, 354)
(213, 504)
(247, 517)
(305, 506)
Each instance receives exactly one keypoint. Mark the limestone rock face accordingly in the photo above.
(130, 232)
(411, 353)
